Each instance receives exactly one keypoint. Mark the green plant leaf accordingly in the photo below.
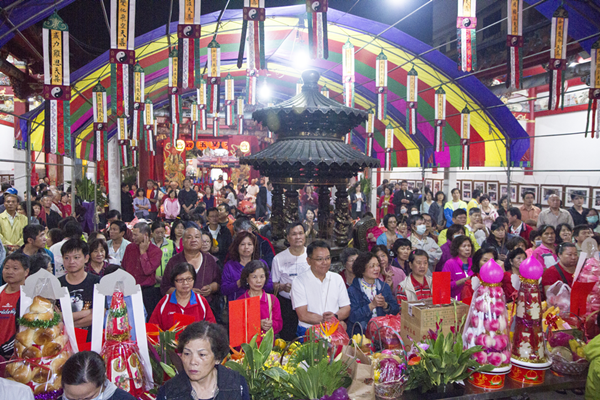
(236, 367)
(168, 369)
(267, 343)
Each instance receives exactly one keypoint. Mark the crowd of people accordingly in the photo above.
(193, 254)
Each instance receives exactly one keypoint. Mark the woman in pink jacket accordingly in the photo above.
(459, 265)
(172, 207)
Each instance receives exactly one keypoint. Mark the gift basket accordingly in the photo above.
(487, 326)
(383, 330)
(120, 353)
(566, 350)
(42, 346)
(390, 369)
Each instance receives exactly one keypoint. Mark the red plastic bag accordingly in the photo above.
(333, 332)
(386, 326)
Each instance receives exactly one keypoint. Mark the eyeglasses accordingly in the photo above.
(184, 280)
(321, 260)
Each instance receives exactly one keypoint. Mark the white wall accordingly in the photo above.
(7, 138)
(555, 158)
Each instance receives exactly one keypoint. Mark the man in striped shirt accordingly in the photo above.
(417, 285)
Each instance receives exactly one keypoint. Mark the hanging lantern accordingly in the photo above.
(123, 136)
(194, 112)
(370, 128)
(299, 85)
(100, 122)
(440, 118)
(317, 28)
(558, 57)
(149, 130)
(253, 32)
(465, 135)
(325, 91)
(122, 54)
(251, 79)
(229, 99)
(214, 76)
(348, 73)
(202, 104)
(594, 94)
(514, 42)
(412, 96)
(188, 34)
(467, 44)
(240, 115)
(216, 125)
(57, 86)
(174, 100)
(389, 144)
(381, 80)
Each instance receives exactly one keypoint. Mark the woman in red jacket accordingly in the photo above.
(182, 301)
(386, 205)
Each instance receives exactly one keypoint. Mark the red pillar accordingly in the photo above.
(530, 128)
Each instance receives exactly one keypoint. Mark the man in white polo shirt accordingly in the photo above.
(286, 266)
(319, 295)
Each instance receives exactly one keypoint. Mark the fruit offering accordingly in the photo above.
(487, 321)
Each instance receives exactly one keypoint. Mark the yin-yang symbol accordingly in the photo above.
(187, 31)
(121, 56)
(252, 14)
(316, 5)
(56, 92)
(466, 22)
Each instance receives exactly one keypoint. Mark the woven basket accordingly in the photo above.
(562, 366)
(389, 390)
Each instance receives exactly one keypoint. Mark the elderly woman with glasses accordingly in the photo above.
(183, 300)
(84, 377)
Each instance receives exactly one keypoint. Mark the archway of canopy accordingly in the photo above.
(491, 123)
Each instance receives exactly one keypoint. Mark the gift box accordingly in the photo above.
(418, 317)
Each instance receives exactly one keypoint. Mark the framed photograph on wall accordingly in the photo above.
(513, 194)
(491, 189)
(419, 184)
(577, 190)
(547, 191)
(411, 185)
(429, 184)
(595, 198)
(436, 186)
(479, 185)
(467, 190)
(526, 187)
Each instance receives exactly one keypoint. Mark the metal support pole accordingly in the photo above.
(73, 190)
(508, 189)
(28, 173)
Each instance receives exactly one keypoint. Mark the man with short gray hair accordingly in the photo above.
(141, 259)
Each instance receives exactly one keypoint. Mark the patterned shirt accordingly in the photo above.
(422, 290)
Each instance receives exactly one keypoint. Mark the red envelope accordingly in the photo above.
(81, 339)
(579, 295)
(440, 287)
(244, 320)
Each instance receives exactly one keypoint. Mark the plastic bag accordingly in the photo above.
(386, 324)
(120, 353)
(593, 300)
(41, 348)
(559, 295)
(332, 332)
(590, 271)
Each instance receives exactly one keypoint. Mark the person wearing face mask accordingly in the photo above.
(453, 232)
(454, 204)
(536, 241)
(591, 216)
(421, 241)
(414, 210)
